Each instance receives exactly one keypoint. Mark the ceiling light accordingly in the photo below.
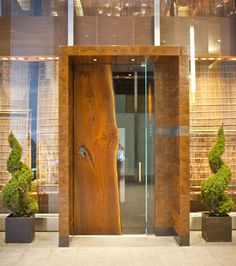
(94, 60)
(130, 75)
(50, 58)
(21, 58)
(5, 58)
(41, 58)
(132, 59)
(13, 58)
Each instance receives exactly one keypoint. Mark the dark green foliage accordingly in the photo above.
(213, 189)
(15, 192)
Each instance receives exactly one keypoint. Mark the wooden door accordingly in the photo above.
(96, 192)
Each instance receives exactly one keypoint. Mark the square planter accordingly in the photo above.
(19, 229)
(216, 229)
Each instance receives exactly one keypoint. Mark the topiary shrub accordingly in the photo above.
(213, 189)
(15, 191)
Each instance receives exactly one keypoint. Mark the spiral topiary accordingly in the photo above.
(213, 189)
(15, 192)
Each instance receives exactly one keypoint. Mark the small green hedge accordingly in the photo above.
(213, 189)
(15, 192)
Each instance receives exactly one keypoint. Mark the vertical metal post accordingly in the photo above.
(70, 23)
(0, 8)
(135, 91)
(136, 124)
(157, 38)
(192, 59)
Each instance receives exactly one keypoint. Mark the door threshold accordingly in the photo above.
(112, 236)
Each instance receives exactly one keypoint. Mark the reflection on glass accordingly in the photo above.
(115, 8)
(189, 8)
(29, 108)
(113, 22)
(33, 7)
(134, 159)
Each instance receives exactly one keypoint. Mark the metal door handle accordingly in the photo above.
(139, 172)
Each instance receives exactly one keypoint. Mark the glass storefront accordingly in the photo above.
(113, 22)
(29, 108)
(30, 32)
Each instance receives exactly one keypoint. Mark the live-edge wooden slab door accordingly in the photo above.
(96, 192)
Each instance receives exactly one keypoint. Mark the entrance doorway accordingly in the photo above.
(90, 189)
(113, 165)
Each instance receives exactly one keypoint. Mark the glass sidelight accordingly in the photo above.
(133, 89)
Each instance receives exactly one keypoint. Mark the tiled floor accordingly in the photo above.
(120, 251)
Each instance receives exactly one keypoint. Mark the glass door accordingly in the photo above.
(131, 84)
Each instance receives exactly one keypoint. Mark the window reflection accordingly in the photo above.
(34, 7)
(115, 8)
(189, 8)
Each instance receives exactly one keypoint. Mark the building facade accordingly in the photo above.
(31, 32)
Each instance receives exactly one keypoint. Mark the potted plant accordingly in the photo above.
(19, 225)
(217, 224)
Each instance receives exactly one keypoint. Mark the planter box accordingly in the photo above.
(216, 229)
(19, 229)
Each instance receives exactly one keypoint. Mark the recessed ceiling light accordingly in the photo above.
(94, 60)
(130, 75)
(41, 58)
(21, 58)
(5, 58)
(132, 59)
(50, 58)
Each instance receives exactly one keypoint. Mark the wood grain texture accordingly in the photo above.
(5, 35)
(96, 195)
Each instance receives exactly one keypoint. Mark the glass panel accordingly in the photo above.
(29, 108)
(113, 22)
(31, 31)
(214, 23)
(149, 154)
(212, 104)
(134, 158)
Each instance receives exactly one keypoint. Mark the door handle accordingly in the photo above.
(139, 172)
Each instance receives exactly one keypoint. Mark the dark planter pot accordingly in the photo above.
(19, 229)
(216, 229)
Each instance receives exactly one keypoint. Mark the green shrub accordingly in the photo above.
(213, 189)
(15, 192)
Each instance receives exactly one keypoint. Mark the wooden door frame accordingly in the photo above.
(171, 149)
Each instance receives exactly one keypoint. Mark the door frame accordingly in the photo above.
(171, 151)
